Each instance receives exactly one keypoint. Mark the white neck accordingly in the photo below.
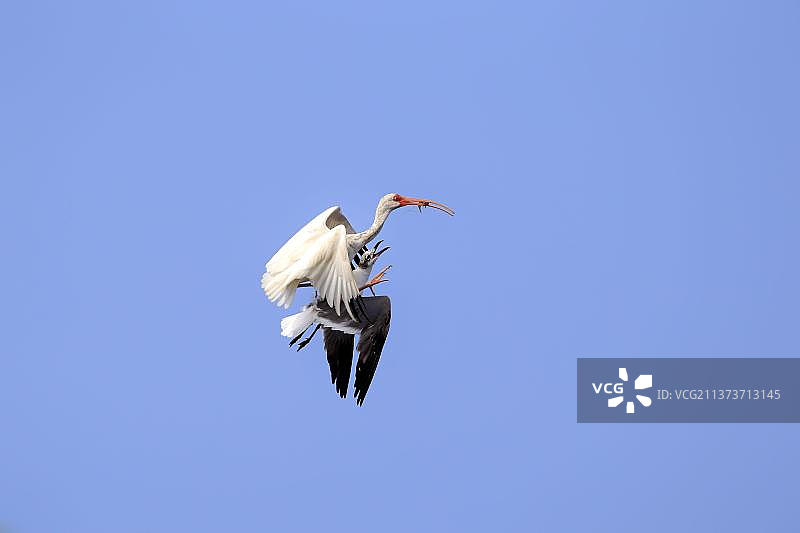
(356, 241)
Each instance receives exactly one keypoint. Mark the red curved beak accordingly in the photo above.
(421, 202)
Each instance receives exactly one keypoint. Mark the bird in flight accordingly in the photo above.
(321, 256)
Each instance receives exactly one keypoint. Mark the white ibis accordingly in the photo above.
(339, 331)
(320, 254)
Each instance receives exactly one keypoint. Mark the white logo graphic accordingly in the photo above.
(644, 381)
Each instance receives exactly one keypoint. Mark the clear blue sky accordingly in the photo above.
(626, 181)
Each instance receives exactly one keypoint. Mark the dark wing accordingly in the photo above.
(329, 318)
(339, 347)
(371, 342)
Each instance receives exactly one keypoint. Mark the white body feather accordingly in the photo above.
(294, 325)
(317, 253)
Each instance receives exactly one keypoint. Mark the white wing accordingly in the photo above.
(318, 253)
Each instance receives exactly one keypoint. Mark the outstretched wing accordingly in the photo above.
(370, 344)
(328, 268)
(337, 218)
(339, 349)
(318, 252)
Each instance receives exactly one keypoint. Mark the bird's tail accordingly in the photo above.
(294, 325)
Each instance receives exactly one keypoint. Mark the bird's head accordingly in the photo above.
(393, 200)
(369, 257)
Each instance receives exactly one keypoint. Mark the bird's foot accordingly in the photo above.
(374, 281)
(303, 344)
(305, 341)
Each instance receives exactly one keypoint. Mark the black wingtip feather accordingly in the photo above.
(370, 346)
(339, 351)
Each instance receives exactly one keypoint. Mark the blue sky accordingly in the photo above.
(625, 177)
